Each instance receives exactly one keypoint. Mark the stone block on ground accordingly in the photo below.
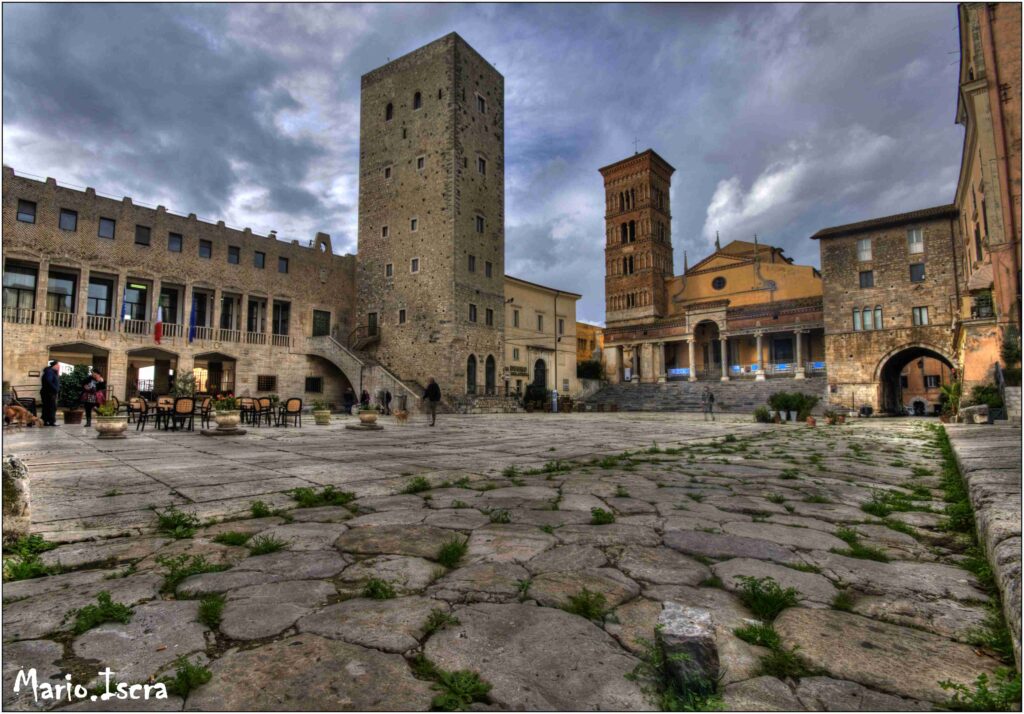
(17, 511)
(690, 632)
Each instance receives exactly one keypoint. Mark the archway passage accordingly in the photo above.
(471, 375)
(215, 373)
(540, 374)
(899, 373)
(151, 372)
(708, 349)
(489, 375)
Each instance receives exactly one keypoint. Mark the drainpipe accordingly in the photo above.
(555, 321)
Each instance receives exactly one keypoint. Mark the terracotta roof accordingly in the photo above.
(895, 220)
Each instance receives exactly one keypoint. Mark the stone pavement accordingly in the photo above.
(549, 608)
(989, 457)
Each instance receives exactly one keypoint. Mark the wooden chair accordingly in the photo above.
(184, 410)
(143, 412)
(291, 409)
(205, 410)
(264, 411)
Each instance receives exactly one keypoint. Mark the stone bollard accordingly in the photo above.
(687, 638)
(16, 511)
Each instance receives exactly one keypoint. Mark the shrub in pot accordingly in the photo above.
(321, 412)
(108, 423)
(368, 415)
(225, 411)
(70, 397)
(762, 415)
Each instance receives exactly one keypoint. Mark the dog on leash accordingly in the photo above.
(19, 415)
(401, 415)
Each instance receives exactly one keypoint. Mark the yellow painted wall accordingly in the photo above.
(525, 343)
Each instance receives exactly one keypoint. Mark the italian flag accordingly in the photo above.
(158, 329)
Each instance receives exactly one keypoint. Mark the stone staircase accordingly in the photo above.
(359, 367)
(486, 404)
(683, 396)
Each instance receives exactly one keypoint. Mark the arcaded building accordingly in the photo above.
(743, 312)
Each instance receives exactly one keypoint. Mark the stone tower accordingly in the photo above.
(638, 240)
(431, 255)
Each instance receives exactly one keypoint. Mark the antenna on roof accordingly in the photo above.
(636, 146)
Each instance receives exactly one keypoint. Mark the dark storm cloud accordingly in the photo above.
(780, 119)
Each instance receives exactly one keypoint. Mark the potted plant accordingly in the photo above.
(70, 397)
(368, 414)
(321, 412)
(226, 412)
(831, 417)
(109, 424)
(949, 398)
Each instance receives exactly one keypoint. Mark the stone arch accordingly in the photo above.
(891, 365)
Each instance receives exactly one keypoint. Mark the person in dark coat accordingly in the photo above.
(432, 396)
(387, 402)
(364, 399)
(94, 393)
(48, 390)
(349, 399)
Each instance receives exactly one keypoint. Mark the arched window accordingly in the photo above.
(856, 320)
(622, 202)
(632, 197)
(625, 233)
(868, 322)
(878, 317)
(389, 112)
(471, 375)
(632, 231)
(417, 101)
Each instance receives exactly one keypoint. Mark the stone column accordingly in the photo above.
(691, 345)
(725, 357)
(659, 357)
(759, 373)
(798, 373)
(154, 300)
(634, 363)
(186, 310)
(82, 306)
(215, 312)
(122, 285)
(648, 368)
(42, 284)
(612, 364)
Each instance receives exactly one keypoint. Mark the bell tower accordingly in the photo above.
(638, 239)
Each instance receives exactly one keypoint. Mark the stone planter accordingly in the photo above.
(227, 420)
(110, 427)
(322, 417)
(792, 417)
(73, 416)
(368, 417)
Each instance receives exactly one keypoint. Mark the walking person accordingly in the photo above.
(48, 390)
(432, 396)
(364, 399)
(387, 402)
(350, 399)
(94, 393)
(707, 403)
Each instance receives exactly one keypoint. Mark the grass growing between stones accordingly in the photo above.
(783, 663)
(500, 515)
(264, 544)
(259, 509)
(179, 567)
(211, 607)
(25, 563)
(601, 517)
(438, 619)
(1001, 693)
(419, 484)
(308, 497)
(176, 524)
(377, 589)
(843, 601)
(804, 567)
(655, 678)
(759, 634)
(458, 689)
(187, 676)
(883, 503)
(587, 604)
(105, 610)
(856, 548)
(765, 597)
(232, 538)
(452, 552)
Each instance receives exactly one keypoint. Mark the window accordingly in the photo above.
(931, 381)
(904, 381)
(383, 231)
(977, 243)
(321, 323)
(479, 224)
(101, 297)
(920, 316)
(867, 278)
(915, 240)
(282, 313)
(401, 316)
(481, 104)
(857, 325)
(371, 324)
(234, 254)
(540, 323)
(282, 264)
(174, 242)
(488, 269)
(515, 353)
(489, 317)
(414, 224)
(917, 272)
(259, 260)
(421, 163)
(266, 382)
(481, 165)
(106, 229)
(472, 263)
(136, 299)
(142, 235)
(718, 283)
(878, 317)
(387, 172)
(864, 250)
(404, 132)
(414, 265)
(27, 211)
(472, 312)
(515, 318)
(315, 385)
(632, 231)
(627, 265)
(389, 112)
(417, 101)
(68, 220)
(389, 270)
(869, 323)
(60, 293)
(561, 326)
(169, 302)
(205, 249)
(20, 291)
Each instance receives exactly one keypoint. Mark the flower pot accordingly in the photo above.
(322, 416)
(841, 419)
(811, 421)
(110, 427)
(227, 420)
(73, 416)
(792, 417)
(368, 417)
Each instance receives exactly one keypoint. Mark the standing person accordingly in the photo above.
(350, 399)
(364, 399)
(93, 394)
(387, 402)
(432, 395)
(707, 403)
(49, 388)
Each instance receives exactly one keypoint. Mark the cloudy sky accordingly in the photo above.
(779, 119)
